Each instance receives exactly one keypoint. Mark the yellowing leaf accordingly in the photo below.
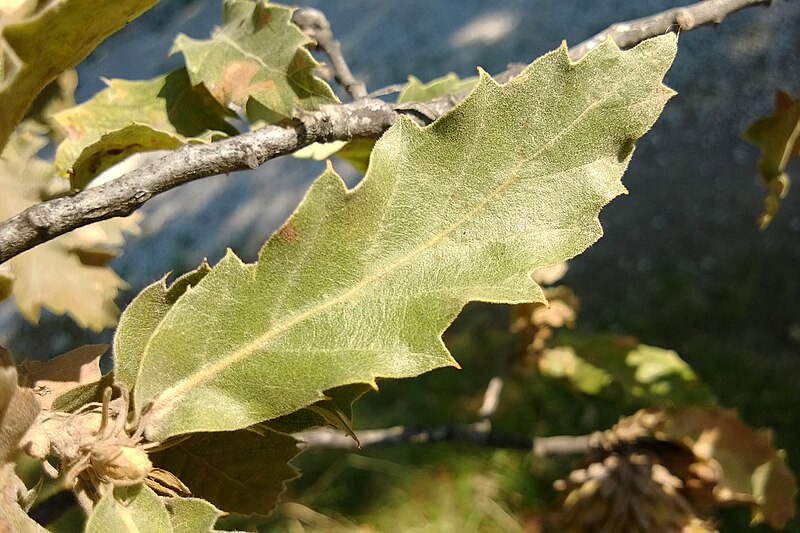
(42, 39)
(778, 136)
(63, 373)
(360, 284)
(53, 274)
(136, 116)
(749, 469)
(257, 56)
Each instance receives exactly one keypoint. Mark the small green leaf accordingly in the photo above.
(417, 91)
(134, 509)
(51, 38)
(76, 398)
(192, 515)
(136, 116)
(640, 375)
(258, 54)
(237, 471)
(141, 318)
(778, 136)
(361, 284)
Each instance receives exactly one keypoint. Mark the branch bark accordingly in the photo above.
(315, 24)
(363, 118)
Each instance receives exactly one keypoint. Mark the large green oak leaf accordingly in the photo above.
(258, 61)
(361, 284)
(54, 37)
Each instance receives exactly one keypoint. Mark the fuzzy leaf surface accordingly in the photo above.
(47, 38)
(192, 515)
(361, 284)
(64, 274)
(237, 471)
(141, 318)
(258, 54)
(778, 136)
(136, 116)
(135, 509)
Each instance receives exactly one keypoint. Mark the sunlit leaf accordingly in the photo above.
(141, 318)
(749, 469)
(136, 116)
(778, 136)
(63, 373)
(417, 91)
(257, 54)
(639, 375)
(192, 515)
(52, 275)
(237, 471)
(129, 510)
(360, 284)
(40, 40)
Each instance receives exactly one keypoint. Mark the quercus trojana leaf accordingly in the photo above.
(63, 274)
(778, 136)
(192, 515)
(360, 284)
(134, 509)
(258, 61)
(237, 471)
(136, 116)
(140, 319)
(42, 39)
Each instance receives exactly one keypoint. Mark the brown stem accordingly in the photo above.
(314, 24)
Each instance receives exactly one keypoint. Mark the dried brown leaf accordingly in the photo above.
(63, 373)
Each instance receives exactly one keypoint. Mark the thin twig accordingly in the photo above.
(477, 435)
(679, 19)
(314, 24)
(363, 118)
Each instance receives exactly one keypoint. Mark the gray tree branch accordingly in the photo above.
(315, 24)
(363, 118)
(476, 435)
